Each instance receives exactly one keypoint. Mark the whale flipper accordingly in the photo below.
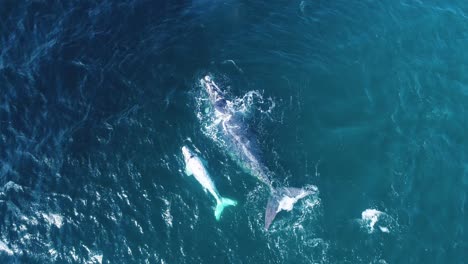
(282, 198)
(188, 172)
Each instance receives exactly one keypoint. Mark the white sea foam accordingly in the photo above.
(167, 213)
(12, 186)
(372, 217)
(53, 253)
(5, 248)
(96, 259)
(53, 219)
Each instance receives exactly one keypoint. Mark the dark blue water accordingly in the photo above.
(367, 100)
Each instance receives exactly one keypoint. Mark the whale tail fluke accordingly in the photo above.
(222, 203)
(283, 198)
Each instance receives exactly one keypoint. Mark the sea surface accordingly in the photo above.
(366, 100)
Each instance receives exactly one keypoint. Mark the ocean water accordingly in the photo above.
(366, 100)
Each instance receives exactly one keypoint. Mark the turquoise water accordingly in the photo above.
(366, 100)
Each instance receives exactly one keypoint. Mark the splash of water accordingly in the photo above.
(372, 218)
(212, 122)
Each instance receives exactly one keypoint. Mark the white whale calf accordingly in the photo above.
(194, 166)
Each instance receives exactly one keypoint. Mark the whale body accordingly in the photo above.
(194, 166)
(244, 148)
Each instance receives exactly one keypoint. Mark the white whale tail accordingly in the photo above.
(283, 198)
(222, 203)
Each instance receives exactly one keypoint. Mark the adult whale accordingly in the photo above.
(244, 148)
(194, 166)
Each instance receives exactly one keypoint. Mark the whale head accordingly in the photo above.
(188, 154)
(216, 95)
(212, 89)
